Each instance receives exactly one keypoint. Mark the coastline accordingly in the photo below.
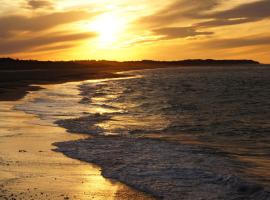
(31, 170)
(165, 170)
(11, 90)
(233, 185)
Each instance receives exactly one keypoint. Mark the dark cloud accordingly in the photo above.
(193, 8)
(20, 45)
(162, 22)
(37, 4)
(170, 33)
(159, 23)
(24, 33)
(249, 12)
(16, 23)
(258, 9)
(203, 10)
(179, 32)
(221, 22)
(178, 10)
(237, 42)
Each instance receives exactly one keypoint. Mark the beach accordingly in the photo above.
(30, 169)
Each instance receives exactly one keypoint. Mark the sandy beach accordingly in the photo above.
(29, 169)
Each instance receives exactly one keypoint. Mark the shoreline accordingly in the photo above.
(16, 91)
(165, 169)
(233, 185)
(146, 163)
(31, 170)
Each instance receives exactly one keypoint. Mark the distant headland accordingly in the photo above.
(11, 63)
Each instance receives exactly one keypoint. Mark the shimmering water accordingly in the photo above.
(217, 105)
(223, 107)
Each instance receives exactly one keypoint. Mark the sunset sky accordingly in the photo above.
(134, 30)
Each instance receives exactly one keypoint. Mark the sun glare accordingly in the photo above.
(109, 26)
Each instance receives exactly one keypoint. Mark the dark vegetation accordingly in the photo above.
(16, 76)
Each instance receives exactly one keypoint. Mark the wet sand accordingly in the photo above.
(30, 169)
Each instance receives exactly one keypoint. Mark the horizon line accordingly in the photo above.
(142, 60)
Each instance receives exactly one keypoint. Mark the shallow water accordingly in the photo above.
(221, 107)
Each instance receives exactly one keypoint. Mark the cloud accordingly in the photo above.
(37, 4)
(178, 10)
(244, 13)
(169, 33)
(204, 10)
(163, 24)
(237, 42)
(54, 47)
(221, 22)
(258, 9)
(20, 45)
(17, 23)
(179, 32)
(23, 33)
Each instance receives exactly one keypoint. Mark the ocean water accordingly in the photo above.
(222, 107)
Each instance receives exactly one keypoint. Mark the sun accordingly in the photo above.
(109, 27)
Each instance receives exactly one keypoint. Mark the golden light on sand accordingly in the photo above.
(109, 27)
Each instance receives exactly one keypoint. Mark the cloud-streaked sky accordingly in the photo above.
(134, 30)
